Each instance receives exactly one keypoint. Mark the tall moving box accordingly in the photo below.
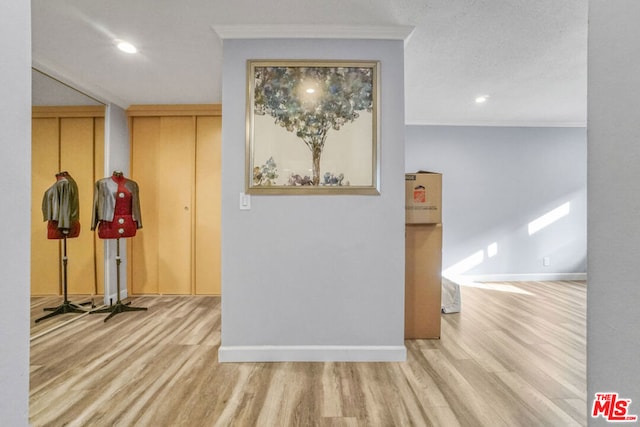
(423, 281)
(423, 255)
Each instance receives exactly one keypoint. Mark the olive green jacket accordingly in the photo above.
(60, 202)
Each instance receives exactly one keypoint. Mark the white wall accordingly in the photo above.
(613, 335)
(313, 277)
(116, 157)
(15, 163)
(497, 180)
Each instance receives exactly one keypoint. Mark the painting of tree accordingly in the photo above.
(313, 101)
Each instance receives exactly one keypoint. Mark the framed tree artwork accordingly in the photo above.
(312, 127)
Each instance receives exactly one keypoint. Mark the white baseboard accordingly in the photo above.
(537, 277)
(312, 353)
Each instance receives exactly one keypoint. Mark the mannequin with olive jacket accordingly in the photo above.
(60, 207)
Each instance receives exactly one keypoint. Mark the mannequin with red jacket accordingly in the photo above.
(116, 214)
(116, 207)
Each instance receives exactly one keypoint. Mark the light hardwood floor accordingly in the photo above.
(514, 356)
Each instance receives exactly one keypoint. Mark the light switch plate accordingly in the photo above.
(245, 202)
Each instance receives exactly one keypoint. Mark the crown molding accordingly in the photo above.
(68, 111)
(155, 110)
(372, 32)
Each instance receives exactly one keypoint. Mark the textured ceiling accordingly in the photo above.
(528, 56)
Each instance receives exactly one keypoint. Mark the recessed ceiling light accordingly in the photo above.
(310, 90)
(482, 99)
(126, 46)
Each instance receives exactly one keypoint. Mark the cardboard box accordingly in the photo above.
(423, 198)
(423, 281)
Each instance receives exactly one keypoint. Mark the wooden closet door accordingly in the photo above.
(208, 205)
(176, 160)
(163, 162)
(98, 173)
(45, 253)
(176, 163)
(143, 255)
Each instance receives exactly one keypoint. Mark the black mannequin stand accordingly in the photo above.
(66, 306)
(118, 307)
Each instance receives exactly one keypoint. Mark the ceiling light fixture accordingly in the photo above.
(482, 99)
(126, 46)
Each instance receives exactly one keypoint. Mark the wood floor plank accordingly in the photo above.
(460, 394)
(331, 406)
(547, 411)
(514, 356)
(422, 383)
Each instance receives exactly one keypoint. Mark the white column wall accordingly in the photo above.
(15, 162)
(613, 132)
(313, 277)
(116, 157)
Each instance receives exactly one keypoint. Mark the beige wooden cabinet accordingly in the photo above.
(66, 139)
(176, 161)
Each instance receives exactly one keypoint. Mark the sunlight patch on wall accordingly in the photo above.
(492, 250)
(465, 265)
(549, 218)
(456, 272)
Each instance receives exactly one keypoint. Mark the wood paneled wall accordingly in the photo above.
(66, 139)
(176, 161)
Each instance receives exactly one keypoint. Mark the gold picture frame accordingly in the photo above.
(312, 127)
